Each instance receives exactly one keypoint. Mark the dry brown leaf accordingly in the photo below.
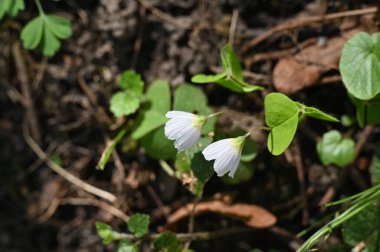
(306, 67)
(252, 215)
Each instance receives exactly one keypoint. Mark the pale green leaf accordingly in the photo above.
(105, 232)
(230, 62)
(333, 149)
(359, 65)
(148, 121)
(124, 103)
(138, 224)
(49, 44)
(158, 95)
(278, 109)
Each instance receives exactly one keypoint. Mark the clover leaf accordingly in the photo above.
(359, 65)
(334, 149)
(46, 31)
(232, 75)
(11, 7)
(281, 115)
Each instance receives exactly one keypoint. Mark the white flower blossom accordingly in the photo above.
(184, 128)
(227, 153)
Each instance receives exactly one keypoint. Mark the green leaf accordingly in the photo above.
(59, 26)
(192, 99)
(31, 34)
(157, 145)
(11, 7)
(243, 173)
(231, 77)
(203, 78)
(105, 232)
(347, 121)
(201, 168)
(367, 112)
(364, 226)
(231, 64)
(153, 115)
(281, 115)
(167, 242)
(126, 246)
(124, 103)
(359, 65)
(318, 114)
(138, 224)
(333, 149)
(130, 80)
(46, 31)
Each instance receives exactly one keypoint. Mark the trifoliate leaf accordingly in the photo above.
(126, 246)
(359, 65)
(11, 7)
(46, 31)
(281, 115)
(130, 80)
(167, 242)
(333, 149)
(153, 114)
(138, 224)
(124, 103)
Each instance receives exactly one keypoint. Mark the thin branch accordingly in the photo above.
(304, 21)
(62, 172)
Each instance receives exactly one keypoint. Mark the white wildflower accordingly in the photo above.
(227, 153)
(184, 128)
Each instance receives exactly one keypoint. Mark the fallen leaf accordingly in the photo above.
(306, 67)
(252, 215)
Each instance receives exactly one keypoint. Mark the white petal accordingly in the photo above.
(215, 149)
(234, 166)
(226, 161)
(175, 128)
(174, 114)
(188, 139)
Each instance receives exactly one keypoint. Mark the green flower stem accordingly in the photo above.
(39, 7)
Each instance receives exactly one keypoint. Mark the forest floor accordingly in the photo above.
(58, 107)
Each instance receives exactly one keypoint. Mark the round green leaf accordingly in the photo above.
(359, 65)
(333, 149)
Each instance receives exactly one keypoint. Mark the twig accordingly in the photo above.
(100, 204)
(25, 87)
(62, 172)
(303, 21)
(191, 221)
(363, 138)
(234, 19)
(162, 15)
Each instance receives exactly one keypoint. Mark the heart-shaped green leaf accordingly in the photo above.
(359, 65)
(333, 149)
(281, 115)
